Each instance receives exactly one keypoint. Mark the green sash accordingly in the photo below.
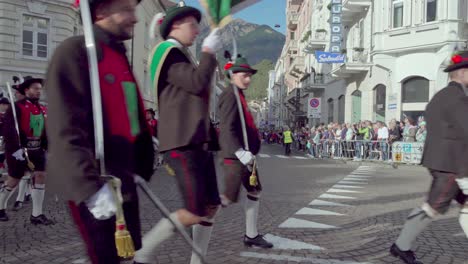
(157, 58)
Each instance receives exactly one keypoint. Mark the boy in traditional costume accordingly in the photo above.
(238, 159)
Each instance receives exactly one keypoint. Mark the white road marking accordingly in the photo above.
(327, 203)
(333, 196)
(282, 156)
(347, 178)
(351, 182)
(347, 186)
(313, 211)
(287, 258)
(286, 243)
(264, 155)
(79, 261)
(341, 191)
(300, 223)
(299, 157)
(363, 174)
(360, 176)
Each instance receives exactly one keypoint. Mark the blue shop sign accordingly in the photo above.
(328, 57)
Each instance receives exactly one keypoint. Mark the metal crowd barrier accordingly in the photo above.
(365, 150)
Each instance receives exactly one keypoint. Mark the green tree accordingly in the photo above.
(258, 89)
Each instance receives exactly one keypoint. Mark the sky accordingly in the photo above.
(265, 12)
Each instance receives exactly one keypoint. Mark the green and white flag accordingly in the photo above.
(220, 11)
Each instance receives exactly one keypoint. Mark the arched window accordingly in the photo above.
(330, 110)
(415, 90)
(341, 109)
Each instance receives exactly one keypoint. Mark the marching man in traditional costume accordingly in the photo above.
(24, 185)
(25, 150)
(445, 153)
(74, 173)
(239, 161)
(186, 135)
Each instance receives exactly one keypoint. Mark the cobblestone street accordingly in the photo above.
(314, 211)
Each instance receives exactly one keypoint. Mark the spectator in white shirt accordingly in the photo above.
(382, 137)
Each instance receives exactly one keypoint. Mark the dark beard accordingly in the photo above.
(33, 100)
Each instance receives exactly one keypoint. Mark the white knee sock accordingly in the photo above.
(162, 231)
(201, 239)
(5, 194)
(464, 219)
(251, 216)
(37, 195)
(28, 180)
(22, 186)
(417, 221)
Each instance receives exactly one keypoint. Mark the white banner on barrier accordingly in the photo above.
(407, 152)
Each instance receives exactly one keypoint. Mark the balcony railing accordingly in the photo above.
(293, 18)
(297, 67)
(358, 56)
(313, 80)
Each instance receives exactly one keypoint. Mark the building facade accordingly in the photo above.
(300, 74)
(276, 105)
(31, 30)
(396, 53)
(29, 33)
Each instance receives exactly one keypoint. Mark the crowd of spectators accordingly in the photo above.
(365, 139)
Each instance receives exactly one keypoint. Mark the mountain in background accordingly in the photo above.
(260, 44)
(259, 85)
(255, 42)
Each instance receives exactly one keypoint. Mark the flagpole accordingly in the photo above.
(13, 109)
(95, 87)
(236, 93)
(15, 119)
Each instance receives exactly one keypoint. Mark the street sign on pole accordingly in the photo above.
(314, 107)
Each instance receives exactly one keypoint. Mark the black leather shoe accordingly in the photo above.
(27, 198)
(407, 256)
(41, 220)
(257, 241)
(3, 215)
(17, 206)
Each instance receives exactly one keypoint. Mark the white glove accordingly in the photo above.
(246, 157)
(463, 184)
(19, 154)
(102, 204)
(213, 41)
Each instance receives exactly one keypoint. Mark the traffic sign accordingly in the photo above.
(314, 102)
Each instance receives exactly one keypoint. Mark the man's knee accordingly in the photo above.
(39, 177)
(186, 218)
(12, 182)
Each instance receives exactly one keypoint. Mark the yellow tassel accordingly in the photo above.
(253, 180)
(253, 177)
(123, 241)
(30, 164)
(169, 170)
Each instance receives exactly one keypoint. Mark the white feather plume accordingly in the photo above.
(154, 26)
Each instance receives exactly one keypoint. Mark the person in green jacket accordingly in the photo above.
(287, 141)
